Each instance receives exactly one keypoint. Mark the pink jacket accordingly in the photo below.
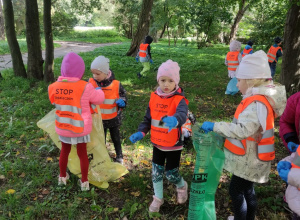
(290, 120)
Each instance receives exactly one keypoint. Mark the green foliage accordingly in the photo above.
(63, 22)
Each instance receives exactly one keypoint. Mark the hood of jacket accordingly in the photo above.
(275, 94)
(148, 40)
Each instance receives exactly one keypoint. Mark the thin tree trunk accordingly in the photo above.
(35, 59)
(163, 31)
(2, 30)
(17, 61)
(49, 55)
(290, 69)
(237, 20)
(143, 27)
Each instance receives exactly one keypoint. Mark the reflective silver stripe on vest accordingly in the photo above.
(296, 160)
(143, 51)
(108, 111)
(272, 55)
(73, 122)
(229, 61)
(265, 148)
(155, 123)
(232, 66)
(268, 133)
(234, 120)
(237, 143)
(68, 108)
(93, 106)
(109, 101)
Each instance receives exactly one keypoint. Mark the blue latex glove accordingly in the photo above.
(284, 174)
(170, 122)
(283, 165)
(120, 103)
(137, 59)
(136, 137)
(207, 126)
(98, 88)
(292, 146)
(151, 61)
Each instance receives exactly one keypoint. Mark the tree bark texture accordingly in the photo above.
(35, 59)
(290, 69)
(142, 29)
(2, 31)
(9, 21)
(49, 55)
(237, 20)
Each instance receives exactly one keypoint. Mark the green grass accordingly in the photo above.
(24, 148)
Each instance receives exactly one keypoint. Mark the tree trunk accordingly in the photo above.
(17, 61)
(237, 20)
(163, 31)
(2, 31)
(35, 59)
(49, 55)
(142, 29)
(290, 69)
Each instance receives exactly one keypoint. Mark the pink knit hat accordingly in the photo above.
(72, 66)
(169, 69)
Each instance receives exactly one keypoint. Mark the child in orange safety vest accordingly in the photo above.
(248, 49)
(114, 103)
(249, 145)
(233, 58)
(166, 113)
(72, 98)
(274, 53)
(144, 55)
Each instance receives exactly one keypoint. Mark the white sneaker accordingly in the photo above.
(63, 180)
(155, 205)
(85, 186)
(230, 217)
(182, 194)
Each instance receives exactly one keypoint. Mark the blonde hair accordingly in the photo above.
(257, 82)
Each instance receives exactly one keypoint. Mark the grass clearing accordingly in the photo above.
(25, 150)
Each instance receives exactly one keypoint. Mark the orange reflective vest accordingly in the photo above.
(246, 52)
(109, 108)
(265, 147)
(160, 107)
(143, 50)
(272, 54)
(67, 102)
(232, 58)
(187, 125)
(296, 160)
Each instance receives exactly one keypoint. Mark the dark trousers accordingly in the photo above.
(170, 158)
(272, 68)
(115, 137)
(243, 198)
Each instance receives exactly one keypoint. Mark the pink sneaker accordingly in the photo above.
(182, 194)
(63, 180)
(155, 205)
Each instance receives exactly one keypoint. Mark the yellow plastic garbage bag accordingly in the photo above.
(101, 169)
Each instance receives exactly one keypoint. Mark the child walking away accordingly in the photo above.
(114, 103)
(249, 147)
(233, 58)
(274, 53)
(166, 113)
(144, 54)
(72, 97)
(248, 49)
(289, 170)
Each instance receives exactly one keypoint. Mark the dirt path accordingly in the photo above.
(66, 47)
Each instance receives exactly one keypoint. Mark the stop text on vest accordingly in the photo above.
(158, 105)
(64, 91)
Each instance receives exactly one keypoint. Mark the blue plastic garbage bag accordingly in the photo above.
(231, 87)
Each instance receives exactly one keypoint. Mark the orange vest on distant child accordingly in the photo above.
(67, 102)
(272, 54)
(143, 50)
(246, 52)
(296, 160)
(109, 108)
(160, 107)
(232, 58)
(265, 148)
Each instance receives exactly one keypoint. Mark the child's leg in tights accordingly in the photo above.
(84, 161)
(63, 158)
(115, 137)
(172, 168)
(243, 197)
(158, 162)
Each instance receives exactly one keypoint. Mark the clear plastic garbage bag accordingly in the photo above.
(101, 169)
(208, 169)
(231, 87)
